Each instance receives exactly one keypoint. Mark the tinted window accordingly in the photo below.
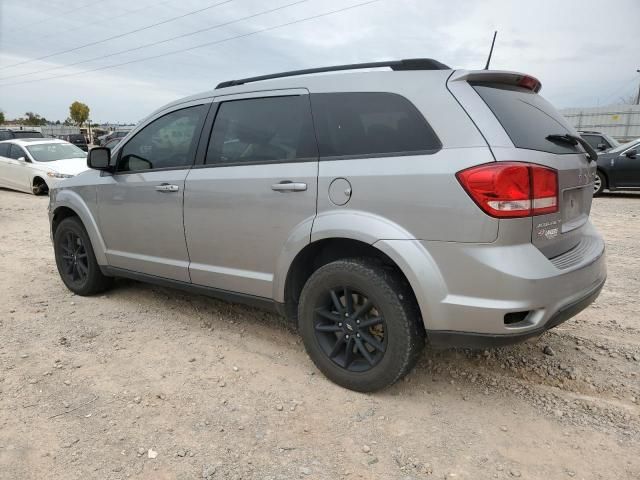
(16, 152)
(356, 124)
(77, 138)
(274, 129)
(596, 140)
(27, 134)
(169, 141)
(4, 149)
(4, 135)
(527, 117)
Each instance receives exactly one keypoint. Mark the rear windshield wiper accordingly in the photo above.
(574, 140)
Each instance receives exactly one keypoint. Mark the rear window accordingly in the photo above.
(18, 134)
(76, 138)
(368, 124)
(526, 117)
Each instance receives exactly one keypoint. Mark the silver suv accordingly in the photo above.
(374, 209)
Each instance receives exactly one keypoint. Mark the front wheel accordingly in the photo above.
(75, 259)
(599, 183)
(359, 324)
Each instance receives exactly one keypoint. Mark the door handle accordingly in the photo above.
(287, 186)
(165, 187)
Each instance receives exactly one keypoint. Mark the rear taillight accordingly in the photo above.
(512, 189)
(530, 83)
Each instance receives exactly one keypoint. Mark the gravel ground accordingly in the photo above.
(148, 382)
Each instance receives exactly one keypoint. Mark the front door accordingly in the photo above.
(254, 193)
(140, 205)
(16, 171)
(626, 171)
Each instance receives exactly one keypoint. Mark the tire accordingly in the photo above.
(391, 324)
(75, 259)
(39, 188)
(599, 184)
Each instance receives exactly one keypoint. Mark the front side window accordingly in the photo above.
(271, 129)
(51, 152)
(370, 123)
(167, 142)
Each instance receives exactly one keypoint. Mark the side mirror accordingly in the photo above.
(23, 159)
(99, 158)
(633, 153)
(601, 146)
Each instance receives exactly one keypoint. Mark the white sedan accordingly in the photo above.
(34, 165)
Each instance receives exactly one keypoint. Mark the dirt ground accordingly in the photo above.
(151, 383)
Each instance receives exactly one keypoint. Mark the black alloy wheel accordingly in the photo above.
(350, 329)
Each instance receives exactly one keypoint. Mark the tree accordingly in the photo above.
(34, 119)
(2, 119)
(79, 113)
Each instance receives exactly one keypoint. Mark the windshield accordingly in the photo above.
(624, 146)
(50, 152)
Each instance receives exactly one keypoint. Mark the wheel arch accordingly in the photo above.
(67, 203)
(605, 176)
(38, 179)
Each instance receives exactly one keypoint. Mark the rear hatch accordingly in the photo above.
(535, 133)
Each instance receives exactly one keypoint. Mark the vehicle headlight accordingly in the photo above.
(58, 175)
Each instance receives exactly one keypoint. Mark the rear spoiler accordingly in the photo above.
(497, 76)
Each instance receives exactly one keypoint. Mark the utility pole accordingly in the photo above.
(638, 96)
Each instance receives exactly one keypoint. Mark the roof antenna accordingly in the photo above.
(486, 67)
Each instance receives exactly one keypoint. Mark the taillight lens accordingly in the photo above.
(512, 189)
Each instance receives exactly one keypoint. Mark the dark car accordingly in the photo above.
(619, 168)
(13, 134)
(78, 140)
(599, 141)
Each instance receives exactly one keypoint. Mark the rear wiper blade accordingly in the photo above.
(574, 140)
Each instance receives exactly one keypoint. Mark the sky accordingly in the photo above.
(585, 53)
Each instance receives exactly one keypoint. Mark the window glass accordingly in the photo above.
(50, 152)
(4, 149)
(4, 135)
(527, 118)
(16, 152)
(272, 129)
(363, 123)
(27, 134)
(169, 141)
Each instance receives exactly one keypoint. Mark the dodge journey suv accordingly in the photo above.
(376, 210)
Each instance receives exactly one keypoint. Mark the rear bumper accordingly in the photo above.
(445, 339)
(492, 294)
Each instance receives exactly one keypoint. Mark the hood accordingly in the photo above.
(71, 166)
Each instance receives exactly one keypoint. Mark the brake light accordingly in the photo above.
(530, 83)
(512, 189)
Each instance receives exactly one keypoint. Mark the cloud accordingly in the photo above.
(580, 62)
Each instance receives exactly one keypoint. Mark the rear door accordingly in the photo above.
(525, 120)
(254, 193)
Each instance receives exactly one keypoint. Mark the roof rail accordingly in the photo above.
(408, 64)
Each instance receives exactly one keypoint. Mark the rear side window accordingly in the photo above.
(370, 123)
(16, 152)
(5, 135)
(271, 129)
(4, 149)
(526, 117)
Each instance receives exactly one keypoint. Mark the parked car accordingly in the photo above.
(111, 143)
(78, 140)
(120, 134)
(36, 165)
(373, 209)
(619, 168)
(599, 141)
(10, 134)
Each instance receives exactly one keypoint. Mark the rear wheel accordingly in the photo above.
(359, 324)
(599, 182)
(75, 259)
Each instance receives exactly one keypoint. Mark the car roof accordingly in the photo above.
(24, 142)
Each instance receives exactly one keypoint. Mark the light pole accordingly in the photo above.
(638, 96)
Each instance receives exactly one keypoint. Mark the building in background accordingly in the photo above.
(621, 122)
